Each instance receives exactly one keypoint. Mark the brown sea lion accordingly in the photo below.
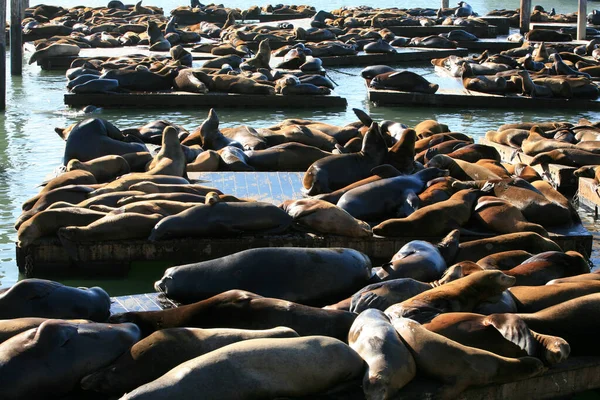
(151, 187)
(544, 267)
(269, 368)
(528, 241)
(570, 157)
(14, 326)
(460, 169)
(499, 215)
(104, 169)
(402, 154)
(124, 182)
(433, 220)
(155, 355)
(207, 161)
(439, 189)
(430, 127)
(487, 333)
(592, 276)
(163, 207)
(458, 366)
(76, 177)
(244, 310)
(461, 295)
(179, 197)
(530, 299)
(382, 295)
(170, 160)
(504, 260)
(138, 161)
(512, 137)
(390, 364)
(286, 157)
(474, 152)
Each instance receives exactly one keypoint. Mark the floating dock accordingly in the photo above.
(403, 54)
(589, 195)
(467, 98)
(489, 31)
(140, 302)
(174, 99)
(560, 176)
(48, 258)
(492, 45)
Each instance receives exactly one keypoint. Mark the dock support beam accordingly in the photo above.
(582, 20)
(16, 37)
(525, 16)
(3, 55)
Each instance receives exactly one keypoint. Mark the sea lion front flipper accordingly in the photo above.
(552, 349)
(515, 330)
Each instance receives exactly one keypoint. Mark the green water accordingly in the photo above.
(30, 150)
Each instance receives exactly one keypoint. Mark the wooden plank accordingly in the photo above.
(404, 54)
(420, 31)
(588, 195)
(558, 25)
(560, 176)
(502, 24)
(465, 98)
(170, 99)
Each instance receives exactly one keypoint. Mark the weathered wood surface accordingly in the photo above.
(472, 99)
(588, 195)
(560, 176)
(172, 99)
(140, 302)
(489, 31)
(403, 54)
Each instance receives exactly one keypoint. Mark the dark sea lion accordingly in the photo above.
(425, 143)
(138, 161)
(245, 310)
(530, 299)
(461, 295)
(57, 354)
(336, 171)
(124, 182)
(402, 154)
(48, 299)
(104, 169)
(387, 197)
(141, 79)
(382, 295)
(528, 241)
(223, 219)
(108, 199)
(487, 333)
(499, 215)
(459, 366)
(47, 223)
(372, 71)
(482, 83)
(323, 217)
(346, 270)
(14, 326)
(304, 134)
(504, 260)
(285, 157)
(273, 368)
(380, 172)
(233, 159)
(437, 190)
(433, 220)
(390, 364)
(155, 355)
(474, 152)
(405, 81)
(379, 46)
(544, 267)
(421, 260)
(95, 137)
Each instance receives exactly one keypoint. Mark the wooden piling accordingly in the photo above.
(581, 20)
(445, 4)
(16, 37)
(525, 15)
(3, 55)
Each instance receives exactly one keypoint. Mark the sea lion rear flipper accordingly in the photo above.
(385, 171)
(515, 330)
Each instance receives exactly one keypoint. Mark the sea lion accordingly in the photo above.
(433, 220)
(233, 159)
(530, 299)
(57, 354)
(285, 157)
(47, 223)
(244, 310)
(405, 81)
(170, 160)
(475, 152)
(346, 270)
(206, 161)
(390, 364)
(55, 50)
(544, 267)
(151, 187)
(458, 366)
(487, 333)
(156, 38)
(208, 135)
(125, 181)
(155, 355)
(262, 58)
(104, 169)
(499, 215)
(592, 276)
(336, 171)
(48, 299)
(570, 157)
(179, 197)
(323, 217)
(528, 241)
(273, 368)
(461, 295)
(382, 295)
(14, 326)
(223, 219)
(387, 197)
(138, 161)
(482, 83)
(247, 136)
(461, 170)
(186, 81)
(420, 260)
(512, 137)
(76, 177)
(379, 46)
(504, 260)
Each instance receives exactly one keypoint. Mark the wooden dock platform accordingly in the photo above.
(493, 45)
(48, 258)
(175, 99)
(140, 302)
(588, 195)
(502, 24)
(489, 31)
(472, 99)
(560, 176)
(403, 54)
